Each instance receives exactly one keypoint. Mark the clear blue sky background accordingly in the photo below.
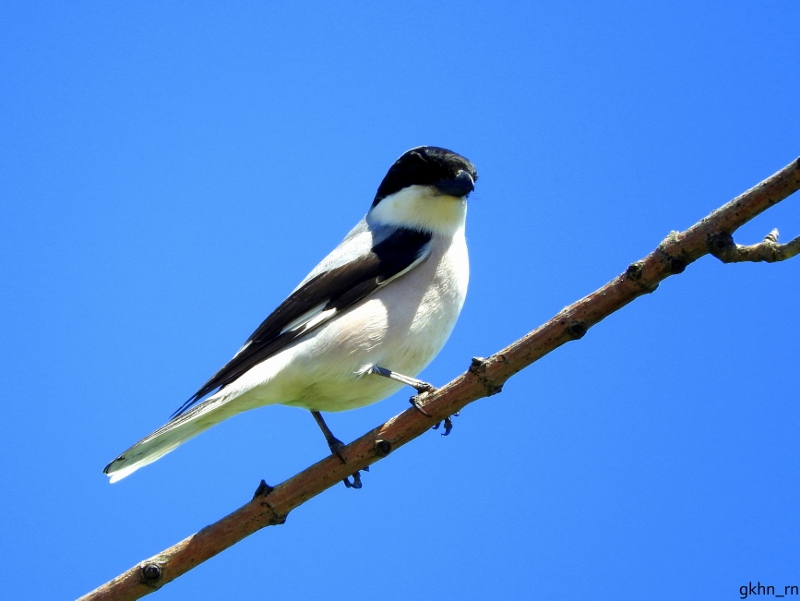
(169, 171)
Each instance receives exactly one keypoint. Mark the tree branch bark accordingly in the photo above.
(485, 377)
(726, 250)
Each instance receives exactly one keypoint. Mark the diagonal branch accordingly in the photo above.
(485, 377)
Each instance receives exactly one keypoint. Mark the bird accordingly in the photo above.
(361, 325)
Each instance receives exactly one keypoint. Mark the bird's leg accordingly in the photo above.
(335, 445)
(418, 385)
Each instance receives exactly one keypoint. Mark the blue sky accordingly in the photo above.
(169, 173)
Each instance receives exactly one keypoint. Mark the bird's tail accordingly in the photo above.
(167, 438)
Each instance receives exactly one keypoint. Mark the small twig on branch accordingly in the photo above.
(485, 377)
(726, 250)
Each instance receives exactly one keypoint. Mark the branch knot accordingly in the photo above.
(150, 573)
(478, 369)
(577, 329)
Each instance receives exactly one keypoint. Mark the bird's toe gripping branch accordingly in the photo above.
(422, 388)
(336, 446)
(448, 424)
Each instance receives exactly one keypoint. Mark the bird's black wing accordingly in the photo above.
(320, 299)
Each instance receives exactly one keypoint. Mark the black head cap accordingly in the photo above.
(429, 166)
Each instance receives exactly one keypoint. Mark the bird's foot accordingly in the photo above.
(336, 446)
(414, 400)
(448, 425)
(356, 483)
(422, 388)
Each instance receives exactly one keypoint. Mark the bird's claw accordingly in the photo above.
(336, 446)
(448, 425)
(356, 483)
(423, 389)
(414, 400)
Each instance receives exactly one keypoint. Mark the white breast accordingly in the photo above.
(401, 327)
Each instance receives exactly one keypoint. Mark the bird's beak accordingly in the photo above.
(461, 185)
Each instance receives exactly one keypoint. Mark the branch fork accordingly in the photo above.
(768, 250)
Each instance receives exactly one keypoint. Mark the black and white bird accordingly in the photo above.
(366, 320)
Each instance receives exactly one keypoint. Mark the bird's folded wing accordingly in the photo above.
(320, 299)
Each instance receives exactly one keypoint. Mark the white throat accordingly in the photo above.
(421, 208)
